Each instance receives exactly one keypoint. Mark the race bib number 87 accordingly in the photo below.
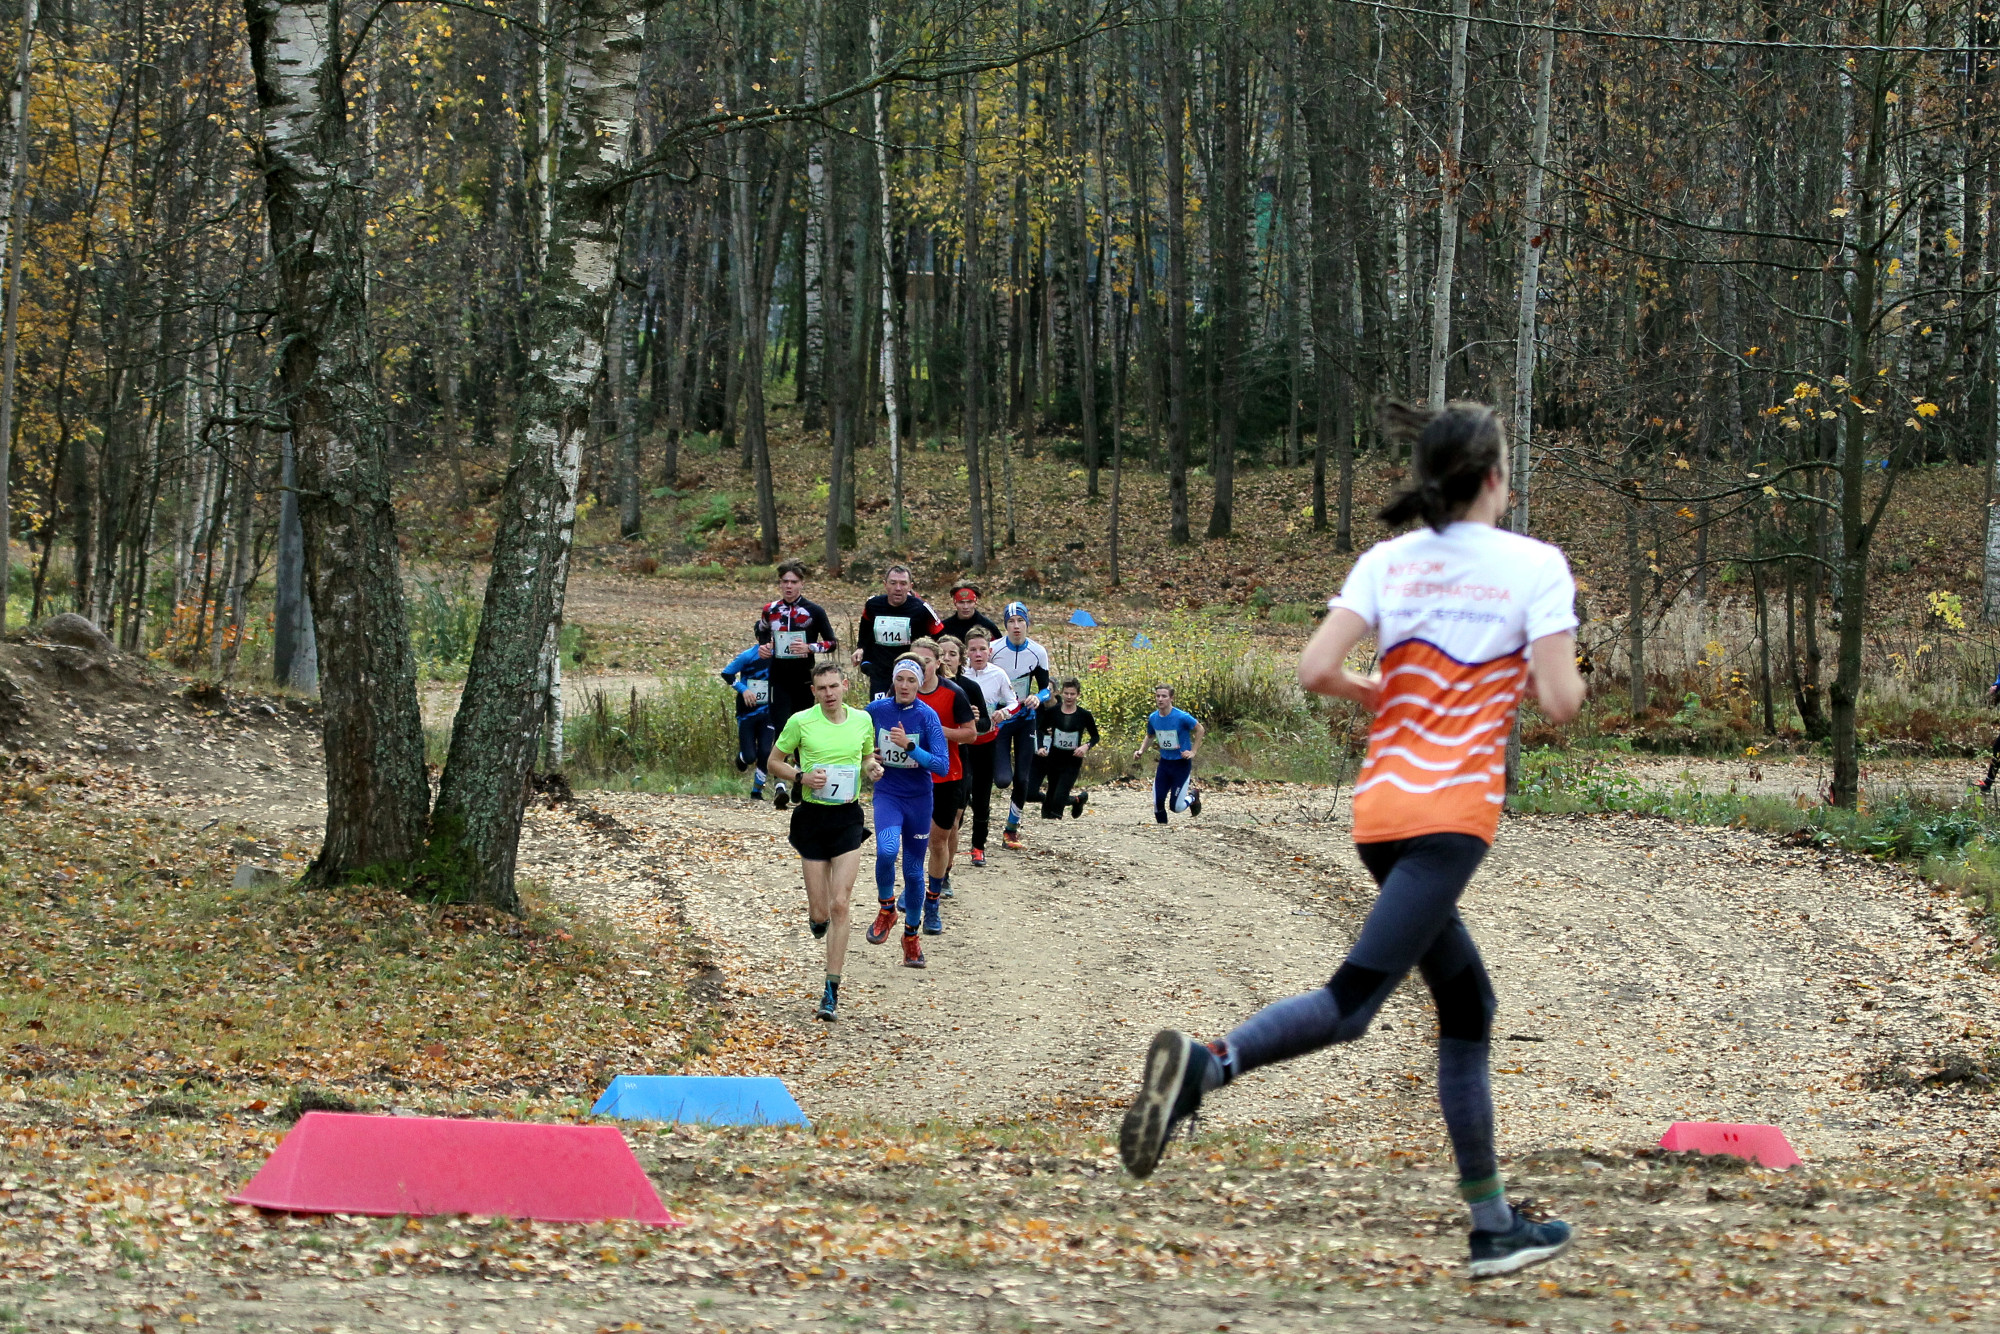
(756, 692)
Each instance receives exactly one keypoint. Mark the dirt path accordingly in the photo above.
(1806, 777)
(1648, 973)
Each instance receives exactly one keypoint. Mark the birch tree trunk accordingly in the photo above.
(1178, 431)
(812, 346)
(1533, 236)
(376, 793)
(1449, 180)
(476, 828)
(889, 348)
(972, 295)
(14, 135)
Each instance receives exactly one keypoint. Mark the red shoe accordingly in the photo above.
(913, 953)
(979, 856)
(1012, 840)
(879, 931)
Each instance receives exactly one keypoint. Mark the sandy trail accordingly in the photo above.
(1647, 973)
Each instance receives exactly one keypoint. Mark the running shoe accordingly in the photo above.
(818, 928)
(1526, 1243)
(913, 953)
(1194, 803)
(979, 856)
(944, 888)
(885, 919)
(1012, 839)
(1169, 1093)
(756, 792)
(781, 797)
(933, 918)
(1076, 805)
(829, 1002)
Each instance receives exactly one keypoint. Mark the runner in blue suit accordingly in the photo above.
(910, 743)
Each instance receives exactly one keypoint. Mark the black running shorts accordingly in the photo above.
(947, 800)
(821, 832)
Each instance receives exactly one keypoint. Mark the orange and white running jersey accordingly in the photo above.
(1454, 613)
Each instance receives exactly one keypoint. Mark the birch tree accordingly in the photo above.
(315, 208)
(476, 828)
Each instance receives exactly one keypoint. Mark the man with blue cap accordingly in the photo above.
(1027, 666)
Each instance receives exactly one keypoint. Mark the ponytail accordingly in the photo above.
(1452, 449)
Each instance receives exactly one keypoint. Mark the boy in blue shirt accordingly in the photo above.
(1177, 733)
(749, 675)
(910, 743)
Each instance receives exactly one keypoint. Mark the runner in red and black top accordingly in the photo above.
(789, 632)
(890, 622)
(965, 614)
(961, 724)
(951, 667)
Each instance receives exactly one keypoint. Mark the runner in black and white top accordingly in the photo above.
(1067, 733)
(790, 631)
(1027, 666)
(890, 622)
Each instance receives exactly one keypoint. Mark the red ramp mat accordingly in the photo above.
(333, 1163)
(1763, 1145)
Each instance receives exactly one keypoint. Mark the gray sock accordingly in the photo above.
(1490, 1210)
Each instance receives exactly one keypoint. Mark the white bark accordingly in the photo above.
(1989, 608)
(812, 352)
(1449, 178)
(12, 198)
(889, 345)
(1533, 236)
(475, 831)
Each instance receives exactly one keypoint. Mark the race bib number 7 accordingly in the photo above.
(842, 780)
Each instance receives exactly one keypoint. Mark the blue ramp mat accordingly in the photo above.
(715, 1100)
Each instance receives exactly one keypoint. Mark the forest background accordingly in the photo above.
(327, 327)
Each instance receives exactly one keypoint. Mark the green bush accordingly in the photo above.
(1958, 845)
(1217, 672)
(684, 729)
(444, 623)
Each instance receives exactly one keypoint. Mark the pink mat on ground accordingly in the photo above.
(334, 1163)
(1764, 1145)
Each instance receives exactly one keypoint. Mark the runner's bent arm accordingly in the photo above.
(1558, 684)
(1200, 731)
(864, 634)
(931, 753)
(1323, 666)
(732, 671)
(781, 767)
(826, 642)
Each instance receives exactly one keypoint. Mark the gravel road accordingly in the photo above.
(1647, 973)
